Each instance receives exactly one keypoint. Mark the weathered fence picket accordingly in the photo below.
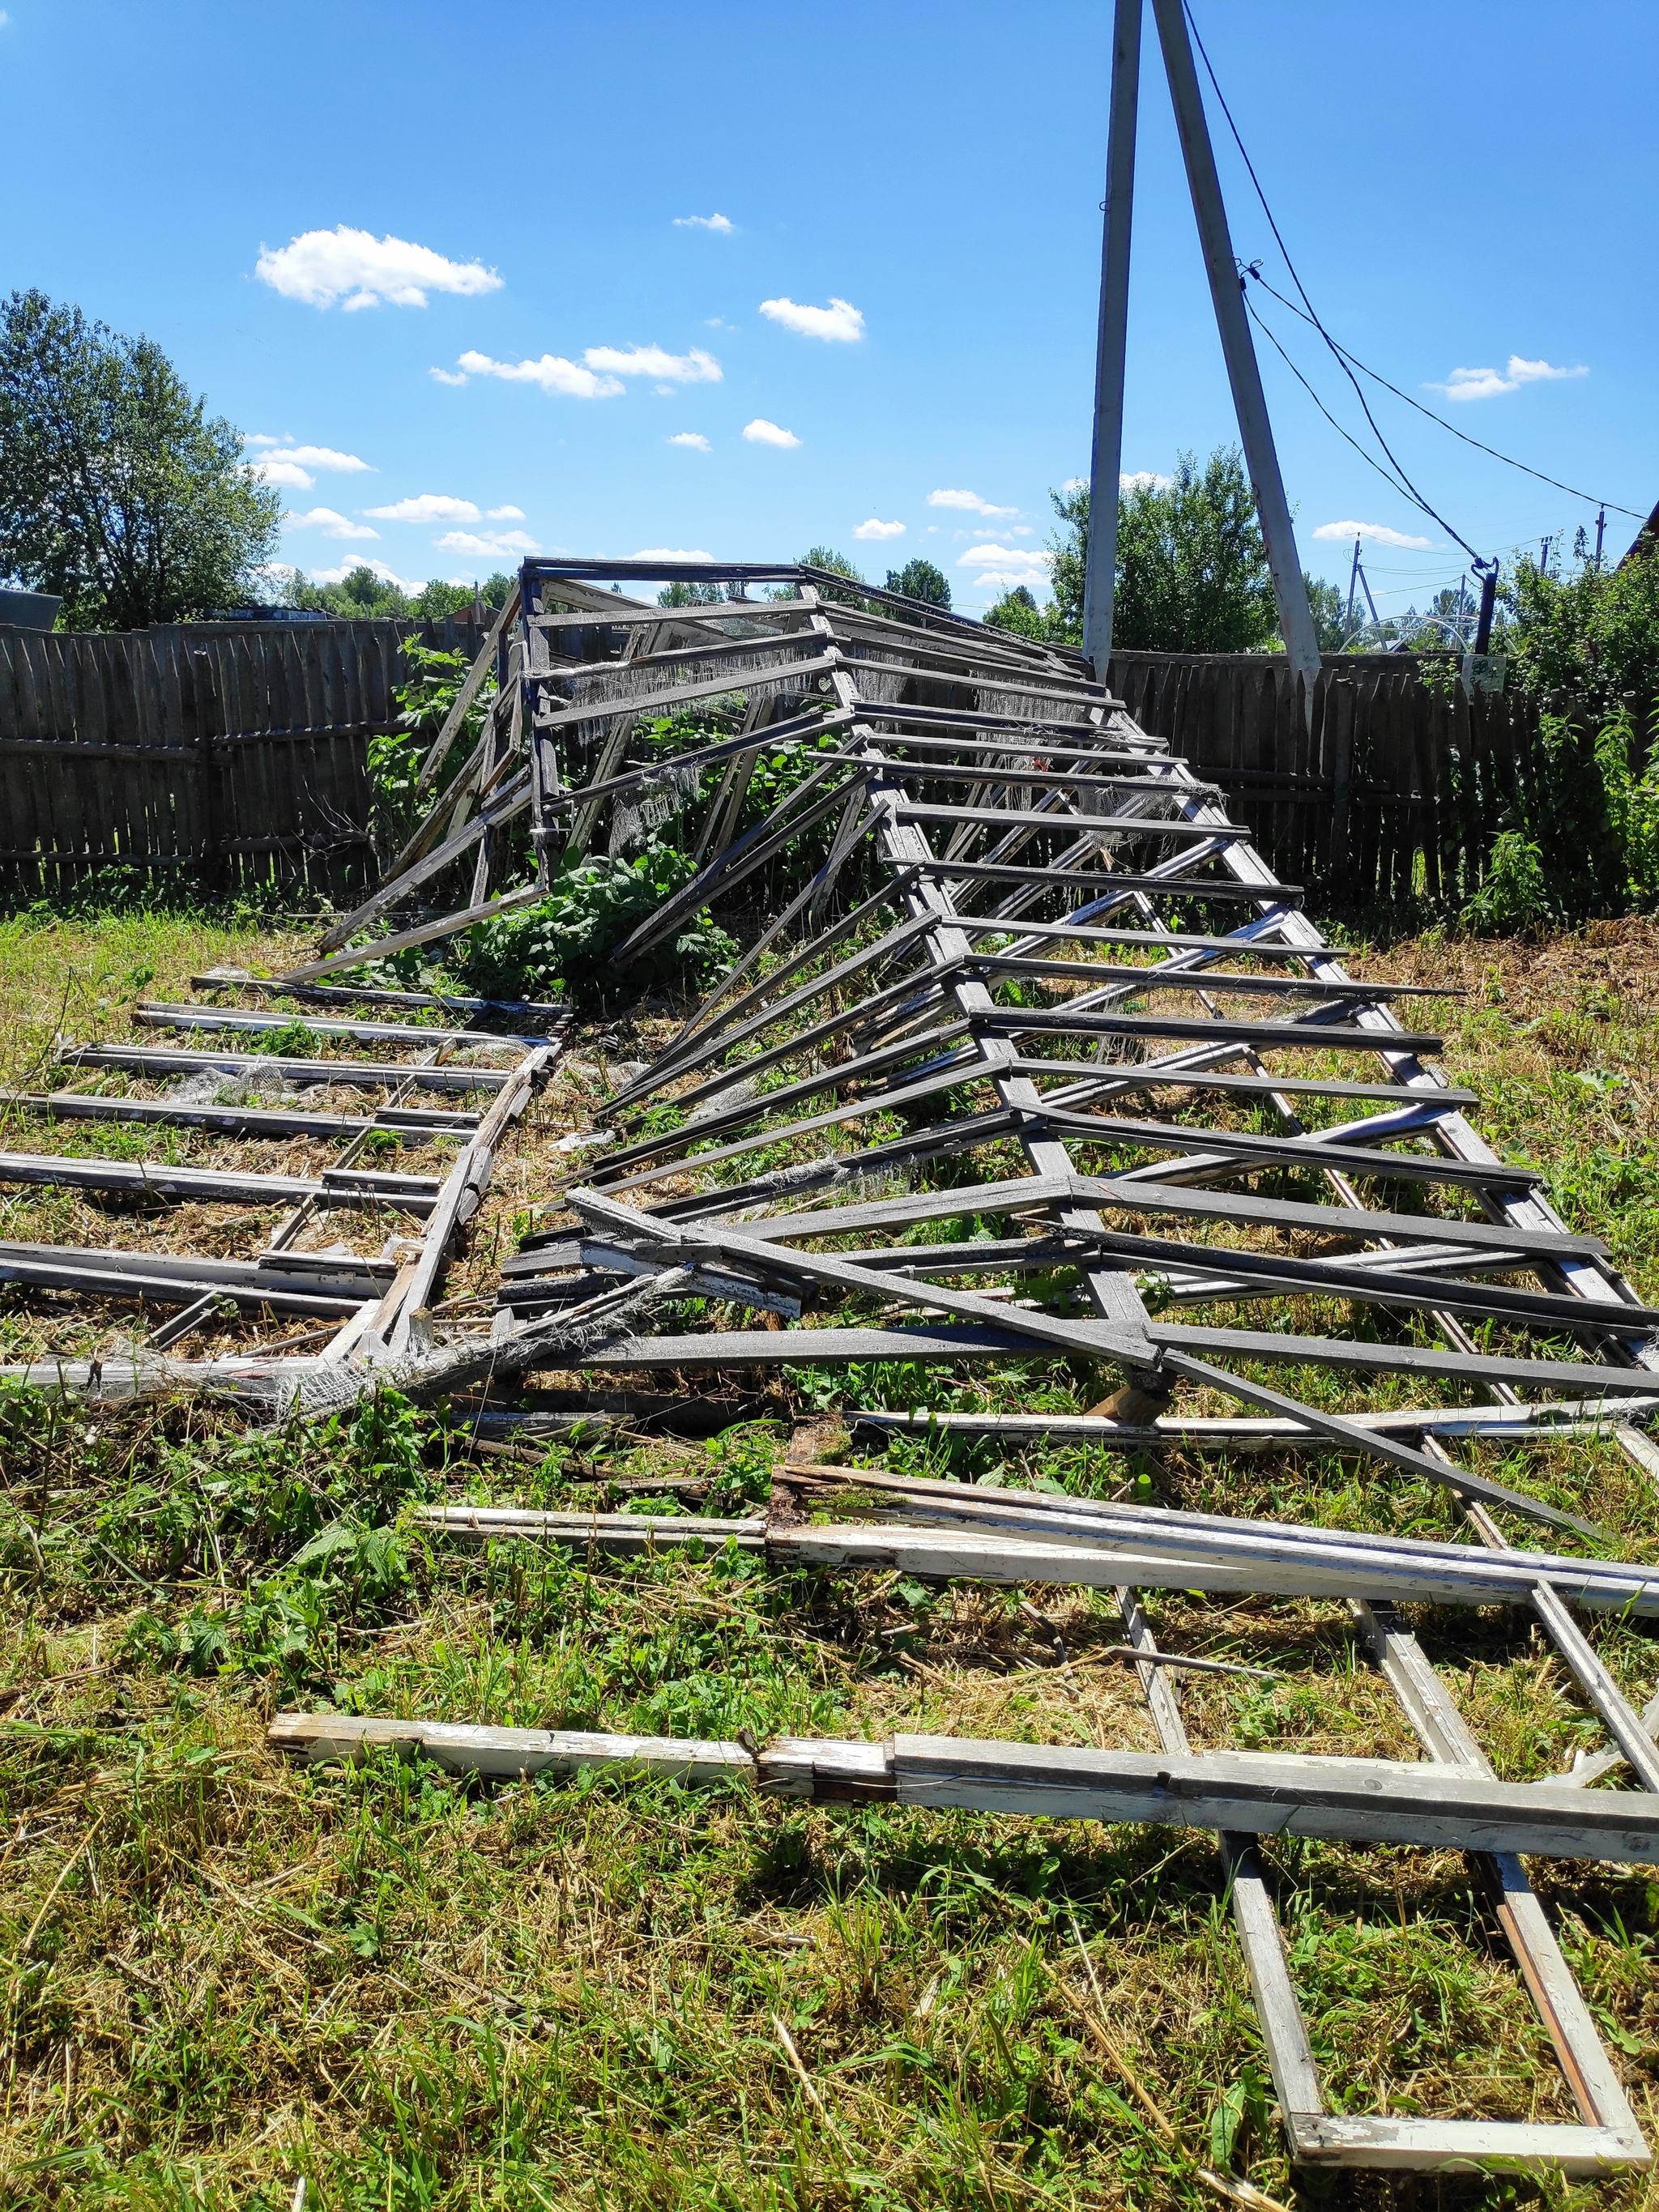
(1392, 787)
(234, 751)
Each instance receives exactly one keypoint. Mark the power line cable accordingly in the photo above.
(1336, 351)
(1508, 459)
(1396, 483)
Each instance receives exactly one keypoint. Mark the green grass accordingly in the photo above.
(222, 1973)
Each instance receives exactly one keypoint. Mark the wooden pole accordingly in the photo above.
(1290, 594)
(1100, 560)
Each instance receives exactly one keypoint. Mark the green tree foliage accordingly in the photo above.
(1328, 605)
(825, 557)
(690, 595)
(1018, 611)
(920, 580)
(117, 489)
(1592, 635)
(1192, 569)
(357, 596)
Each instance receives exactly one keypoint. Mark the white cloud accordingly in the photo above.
(694, 367)
(6, 20)
(1377, 533)
(969, 502)
(489, 542)
(552, 371)
(1075, 483)
(331, 523)
(1002, 566)
(760, 432)
(672, 553)
(1487, 383)
(364, 560)
(271, 469)
(290, 466)
(321, 267)
(427, 507)
(874, 529)
(324, 457)
(704, 223)
(505, 514)
(446, 376)
(841, 320)
(692, 438)
(1136, 480)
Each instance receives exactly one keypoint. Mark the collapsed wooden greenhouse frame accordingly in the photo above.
(1018, 897)
(983, 808)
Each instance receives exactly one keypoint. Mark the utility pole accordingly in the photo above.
(1488, 602)
(1600, 533)
(1106, 462)
(1295, 621)
(1544, 558)
(1365, 585)
(1353, 585)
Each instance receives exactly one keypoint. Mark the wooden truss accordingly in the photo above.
(372, 1309)
(1041, 1014)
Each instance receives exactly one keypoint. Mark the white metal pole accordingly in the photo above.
(1107, 457)
(1296, 623)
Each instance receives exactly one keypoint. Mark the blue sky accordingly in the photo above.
(1462, 188)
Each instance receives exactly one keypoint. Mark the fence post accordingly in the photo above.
(202, 716)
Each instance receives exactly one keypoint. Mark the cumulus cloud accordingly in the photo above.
(672, 553)
(760, 432)
(969, 502)
(331, 523)
(427, 507)
(486, 541)
(505, 514)
(552, 371)
(1376, 533)
(289, 466)
(841, 320)
(1487, 383)
(704, 223)
(875, 529)
(357, 270)
(387, 575)
(324, 457)
(272, 470)
(446, 376)
(694, 367)
(694, 440)
(1002, 567)
(1140, 480)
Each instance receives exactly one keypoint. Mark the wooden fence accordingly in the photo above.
(236, 753)
(232, 752)
(1395, 786)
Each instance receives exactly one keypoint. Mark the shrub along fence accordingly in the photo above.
(1397, 786)
(233, 753)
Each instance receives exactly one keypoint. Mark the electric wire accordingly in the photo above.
(1406, 484)
(1370, 460)
(1508, 459)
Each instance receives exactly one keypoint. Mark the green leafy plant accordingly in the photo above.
(569, 938)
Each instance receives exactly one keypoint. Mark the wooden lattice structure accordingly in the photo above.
(1040, 1061)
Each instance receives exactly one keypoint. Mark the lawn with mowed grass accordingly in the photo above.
(223, 1974)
